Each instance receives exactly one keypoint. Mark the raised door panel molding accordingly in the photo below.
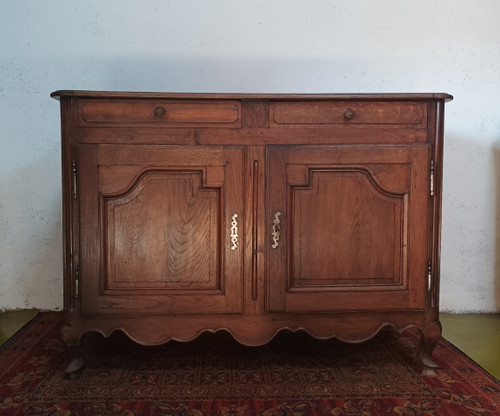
(163, 244)
(350, 218)
(163, 234)
(347, 232)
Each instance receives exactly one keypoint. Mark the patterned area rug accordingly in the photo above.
(213, 375)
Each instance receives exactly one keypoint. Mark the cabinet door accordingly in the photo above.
(348, 228)
(160, 229)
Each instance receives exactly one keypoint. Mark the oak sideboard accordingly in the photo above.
(251, 213)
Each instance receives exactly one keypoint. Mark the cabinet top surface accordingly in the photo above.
(223, 96)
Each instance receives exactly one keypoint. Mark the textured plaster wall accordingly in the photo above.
(248, 46)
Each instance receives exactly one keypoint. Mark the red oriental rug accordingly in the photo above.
(213, 375)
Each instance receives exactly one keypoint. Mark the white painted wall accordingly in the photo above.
(248, 46)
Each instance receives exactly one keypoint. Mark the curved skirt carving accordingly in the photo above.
(259, 330)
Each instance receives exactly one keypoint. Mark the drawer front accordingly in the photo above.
(348, 112)
(189, 113)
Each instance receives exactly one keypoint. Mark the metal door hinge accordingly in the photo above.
(432, 178)
(77, 282)
(75, 179)
(429, 276)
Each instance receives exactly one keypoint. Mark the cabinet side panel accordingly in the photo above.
(67, 203)
(437, 135)
(90, 231)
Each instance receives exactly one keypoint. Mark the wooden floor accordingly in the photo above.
(478, 336)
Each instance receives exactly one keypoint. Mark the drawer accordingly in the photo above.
(348, 112)
(173, 113)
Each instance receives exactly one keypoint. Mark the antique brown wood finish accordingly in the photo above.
(251, 213)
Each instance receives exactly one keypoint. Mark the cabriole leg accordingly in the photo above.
(428, 341)
(74, 350)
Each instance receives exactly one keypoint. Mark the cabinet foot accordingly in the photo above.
(74, 365)
(428, 342)
(76, 359)
(72, 340)
(75, 354)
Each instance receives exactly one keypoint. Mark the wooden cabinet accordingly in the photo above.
(249, 213)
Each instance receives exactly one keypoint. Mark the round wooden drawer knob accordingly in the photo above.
(349, 114)
(160, 112)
